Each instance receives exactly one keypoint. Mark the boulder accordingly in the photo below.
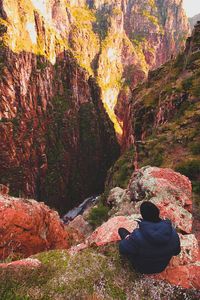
(28, 227)
(169, 190)
(81, 226)
(108, 231)
(189, 251)
(184, 269)
(115, 196)
(186, 276)
(120, 201)
(28, 263)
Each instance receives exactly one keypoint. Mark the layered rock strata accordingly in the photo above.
(163, 117)
(57, 142)
(117, 41)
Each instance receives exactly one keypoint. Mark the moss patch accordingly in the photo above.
(98, 215)
(94, 271)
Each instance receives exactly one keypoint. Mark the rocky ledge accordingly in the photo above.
(94, 250)
(172, 193)
(28, 227)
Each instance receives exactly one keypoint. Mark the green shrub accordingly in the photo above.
(187, 83)
(119, 175)
(98, 215)
(41, 63)
(157, 160)
(196, 187)
(8, 291)
(103, 21)
(190, 169)
(195, 148)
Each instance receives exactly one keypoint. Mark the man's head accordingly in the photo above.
(149, 212)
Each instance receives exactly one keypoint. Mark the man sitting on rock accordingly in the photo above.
(151, 246)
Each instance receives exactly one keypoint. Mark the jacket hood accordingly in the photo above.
(156, 233)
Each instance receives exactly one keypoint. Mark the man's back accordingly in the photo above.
(151, 246)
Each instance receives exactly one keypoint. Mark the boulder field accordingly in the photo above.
(169, 190)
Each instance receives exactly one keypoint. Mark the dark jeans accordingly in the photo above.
(123, 233)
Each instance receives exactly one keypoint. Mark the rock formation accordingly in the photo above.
(161, 126)
(194, 20)
(51, 114)
(28, 227)
(171, 192)
(54, 131)
(118, 41)
(154, 184)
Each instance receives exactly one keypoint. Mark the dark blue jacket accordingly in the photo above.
(151, 246)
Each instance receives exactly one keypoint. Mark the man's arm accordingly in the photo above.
(128, 246)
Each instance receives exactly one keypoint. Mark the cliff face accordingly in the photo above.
(162, 123)
(135, 36)
(117, 41)
(56, 142)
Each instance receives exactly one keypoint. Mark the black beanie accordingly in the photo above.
(149, 212)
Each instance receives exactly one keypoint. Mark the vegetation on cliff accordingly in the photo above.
(164, 118)
(107, 38)
(95, 273)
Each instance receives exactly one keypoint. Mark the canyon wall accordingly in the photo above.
(162, 122)
(117, 41)
(131, 37)
(56, 140)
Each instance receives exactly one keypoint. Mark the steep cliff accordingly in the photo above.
(130, 38)
(56, 142)
(117, 41)
(163, 120)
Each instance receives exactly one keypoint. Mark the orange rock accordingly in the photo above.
(28, 263)
(189, 251)
(108, 231)
(187, 276)
(169, 190)
(4, 189)
(28, 227)
(184, 269)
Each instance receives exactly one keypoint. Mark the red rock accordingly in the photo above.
(79, 224)
(28, 263)
(108, 231)
(4, 189)
(179, 185)
(169, 190)
(184, 269)
(186, 276)
(189, 251)
(28, 227)
(75, 249)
